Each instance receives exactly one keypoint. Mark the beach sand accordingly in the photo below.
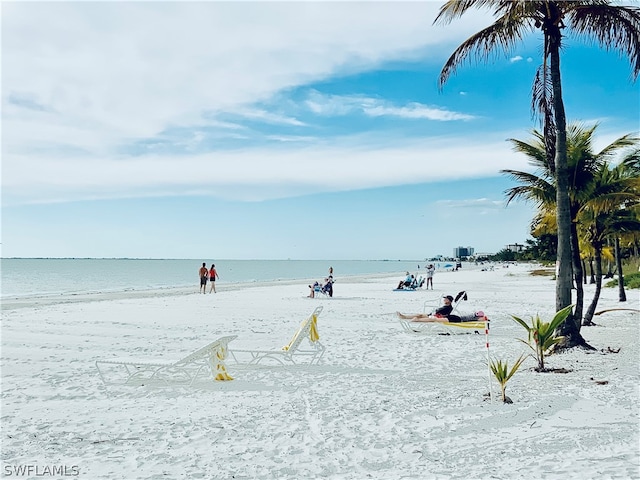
(383, 403)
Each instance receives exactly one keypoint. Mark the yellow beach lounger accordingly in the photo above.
(444, 328)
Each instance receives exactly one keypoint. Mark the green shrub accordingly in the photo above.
(630, 281)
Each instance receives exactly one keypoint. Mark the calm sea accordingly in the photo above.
(27, 277)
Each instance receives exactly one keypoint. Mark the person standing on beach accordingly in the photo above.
(204, 274)
(430, 271)
(213, 275)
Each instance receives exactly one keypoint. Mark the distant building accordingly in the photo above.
(515, 247)
(460, 252)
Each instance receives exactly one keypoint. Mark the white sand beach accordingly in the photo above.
(383, 403)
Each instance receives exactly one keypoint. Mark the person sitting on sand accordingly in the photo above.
(312, 288)
(406, 282)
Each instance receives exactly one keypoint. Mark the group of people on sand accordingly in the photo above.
(210, 275)
(413, 281)
(443, 314)
(326, 287)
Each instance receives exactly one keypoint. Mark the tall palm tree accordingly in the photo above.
(540, 187)
(613, 27)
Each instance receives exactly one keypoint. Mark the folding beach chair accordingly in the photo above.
(291, 354)
(208, 360)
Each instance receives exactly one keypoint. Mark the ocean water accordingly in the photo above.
(36, 277)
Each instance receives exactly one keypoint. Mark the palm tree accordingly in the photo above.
(613, 27)
(632, 164)
(608, 213)
(540, 186)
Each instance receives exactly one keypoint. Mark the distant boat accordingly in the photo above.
(448, 265)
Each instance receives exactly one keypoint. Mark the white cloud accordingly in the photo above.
(472, 203)
(259, 173)
(107, 72)
(82, 79)
(337, 105)
(417, 111)
(268, 117)
(517, 58)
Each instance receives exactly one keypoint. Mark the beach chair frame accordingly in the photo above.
(442, 328)
(292, 354)
(208, 360)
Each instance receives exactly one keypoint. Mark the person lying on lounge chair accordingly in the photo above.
(440, 315)
(443, 315)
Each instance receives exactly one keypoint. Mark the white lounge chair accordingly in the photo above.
(208, 360)
(293, 353)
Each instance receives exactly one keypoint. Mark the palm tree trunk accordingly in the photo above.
(622, 296)
(588, 317)
(578, 273)
(592, 276)
(609, 265)
(584, 269)
(569, 329)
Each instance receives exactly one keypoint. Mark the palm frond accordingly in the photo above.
(542, 104)
(613, 27)
(628, 140)
(631, 162)
(503, 34)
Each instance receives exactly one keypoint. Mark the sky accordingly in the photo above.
(272, 130)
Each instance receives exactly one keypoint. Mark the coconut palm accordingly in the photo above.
(609, 212)
(540, 186)
(613, 27)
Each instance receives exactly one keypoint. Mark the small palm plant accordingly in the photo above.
(502, 373)
(542, 334)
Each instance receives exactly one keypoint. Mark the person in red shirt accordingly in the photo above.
(213, 275)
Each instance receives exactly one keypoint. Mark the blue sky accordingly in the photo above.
(304, 130)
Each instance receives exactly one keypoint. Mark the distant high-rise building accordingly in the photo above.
(460, 252)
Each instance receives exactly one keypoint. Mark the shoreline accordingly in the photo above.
(32, 301)
(13, 301)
